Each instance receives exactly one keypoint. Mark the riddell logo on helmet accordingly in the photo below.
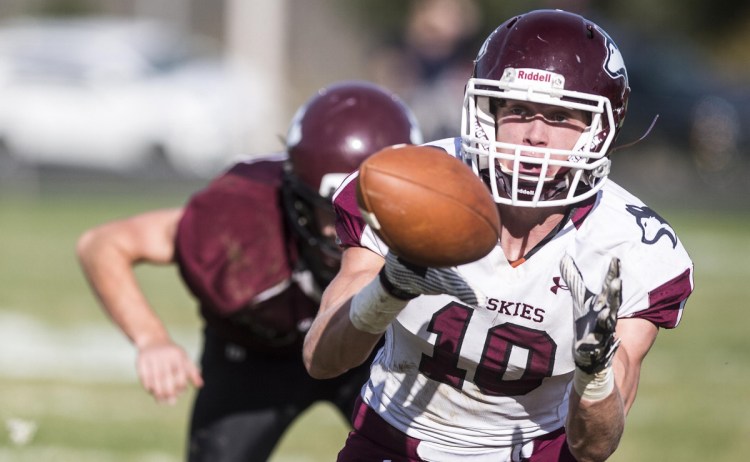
(537, 76)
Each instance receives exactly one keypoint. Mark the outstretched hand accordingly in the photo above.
(595, 316)
(405, 280)
(165, 371)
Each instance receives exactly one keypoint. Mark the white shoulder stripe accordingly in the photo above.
(347, 180)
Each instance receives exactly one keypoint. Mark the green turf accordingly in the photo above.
(119, 422)
(692, 404)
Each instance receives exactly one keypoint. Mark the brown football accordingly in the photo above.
(427, 206)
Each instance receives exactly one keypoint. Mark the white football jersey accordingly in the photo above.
(463, 379)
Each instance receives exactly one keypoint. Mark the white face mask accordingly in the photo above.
(586, 164)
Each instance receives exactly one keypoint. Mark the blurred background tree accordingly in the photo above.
(720, 27)
(687, 61)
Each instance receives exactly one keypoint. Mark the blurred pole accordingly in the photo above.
(173, 12)
(256, 39)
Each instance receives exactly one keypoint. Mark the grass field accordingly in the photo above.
(66, 369)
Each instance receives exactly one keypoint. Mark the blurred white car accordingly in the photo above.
(112, 94)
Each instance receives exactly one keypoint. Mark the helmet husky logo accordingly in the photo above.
(615, 64)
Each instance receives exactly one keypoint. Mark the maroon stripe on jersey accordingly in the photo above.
(552, 447)
(666, 301)
(349, 222)
(582, 211)
(373, 439)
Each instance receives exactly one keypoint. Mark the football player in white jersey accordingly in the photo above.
(532, 353)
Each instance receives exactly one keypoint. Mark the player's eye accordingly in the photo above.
(518, 111)
(568, 116)
(559, 117)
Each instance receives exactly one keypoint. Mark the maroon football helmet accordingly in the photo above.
(549, 57)
(329, 137)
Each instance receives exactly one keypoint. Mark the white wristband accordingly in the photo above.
(594, 387)
(372, 309)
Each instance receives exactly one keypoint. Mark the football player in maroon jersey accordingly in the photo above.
(256, 248)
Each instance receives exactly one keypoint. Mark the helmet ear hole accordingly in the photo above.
(590, 31)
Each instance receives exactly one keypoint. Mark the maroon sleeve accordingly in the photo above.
(349, 222)
(667, 301)
(231, 243)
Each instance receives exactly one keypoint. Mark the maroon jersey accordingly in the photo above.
(238, 258)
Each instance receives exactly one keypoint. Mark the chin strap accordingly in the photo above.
(551, 190)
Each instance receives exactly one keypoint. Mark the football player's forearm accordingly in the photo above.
(333, 345)
(134, 316)
(128, 308)
(594, 428)
(111, 277)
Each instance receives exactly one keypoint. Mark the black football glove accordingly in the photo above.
(595, 316)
